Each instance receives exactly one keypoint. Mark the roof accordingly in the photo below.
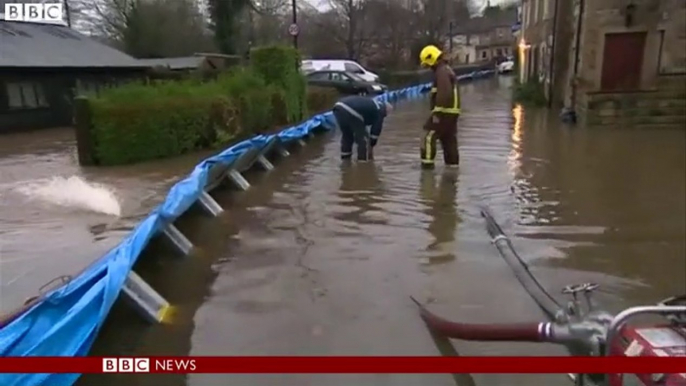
(37, 45)
(475, 25)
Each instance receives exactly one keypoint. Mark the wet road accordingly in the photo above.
(56, 217)
(319, 258)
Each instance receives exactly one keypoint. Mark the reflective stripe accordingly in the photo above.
(374, 136)
(427, 159)
(350, 110)
(347, 153)
(455, 109)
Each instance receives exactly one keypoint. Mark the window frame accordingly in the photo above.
(34, 99)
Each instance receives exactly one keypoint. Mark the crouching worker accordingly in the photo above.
(354, 114)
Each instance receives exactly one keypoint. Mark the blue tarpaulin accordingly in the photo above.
(66, 321)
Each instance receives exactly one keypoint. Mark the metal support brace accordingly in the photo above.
(209, 204)
(151, 305)
(264, 163)
(282, 151)
(178, 239)
(238, 179)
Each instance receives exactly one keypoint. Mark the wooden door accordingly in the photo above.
(623, 61)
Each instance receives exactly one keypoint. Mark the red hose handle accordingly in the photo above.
(517, 332)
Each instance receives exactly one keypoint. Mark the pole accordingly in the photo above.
(295, 21)
(450, 38)
(67, 12)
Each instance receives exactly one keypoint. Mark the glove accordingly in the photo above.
(434, 119)
(373, 141)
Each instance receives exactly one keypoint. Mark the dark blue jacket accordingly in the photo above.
(372, 113)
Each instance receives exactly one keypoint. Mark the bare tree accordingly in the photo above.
(144, 28)
(350, 29)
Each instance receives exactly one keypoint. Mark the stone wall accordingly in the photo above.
(653, 16)
(662, 108)
(661, 100)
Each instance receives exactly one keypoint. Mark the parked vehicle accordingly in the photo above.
(506, 65)
(339, 65)
(345, 82)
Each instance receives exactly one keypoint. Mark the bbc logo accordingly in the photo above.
(125, 365)
(50, 12)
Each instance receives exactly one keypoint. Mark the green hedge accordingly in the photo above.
(159, 118)
(145, 121)
(530, 93)
(320, 99)
(400, 79)
(279, 67)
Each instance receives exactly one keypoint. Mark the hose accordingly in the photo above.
(513, 332)
(533, 287)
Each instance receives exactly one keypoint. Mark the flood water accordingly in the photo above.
(56, 217)
(320, 257)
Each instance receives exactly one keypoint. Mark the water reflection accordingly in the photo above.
(360, 193)
(441, 208)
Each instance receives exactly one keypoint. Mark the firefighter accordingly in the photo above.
(360, 120)
(445, 110)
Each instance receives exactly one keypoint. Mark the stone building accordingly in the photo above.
(615, 63)
(484, 38)
(536, 41)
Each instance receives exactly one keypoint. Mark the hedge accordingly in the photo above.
(161, 118)
(279, 67)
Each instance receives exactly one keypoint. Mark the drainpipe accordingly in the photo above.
(551, 64)
(577, 52)
(67, 12)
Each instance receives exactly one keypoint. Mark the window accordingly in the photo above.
(466, 58)
(355, 69)
(525, 13)
(25, 95)
(546, 9)
(498, 52)
(535, 9)
(318, 76)
(483, 54)
(339, 77)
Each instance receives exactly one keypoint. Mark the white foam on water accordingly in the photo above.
(73, 192)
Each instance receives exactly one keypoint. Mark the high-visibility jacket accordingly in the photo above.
(445, 92)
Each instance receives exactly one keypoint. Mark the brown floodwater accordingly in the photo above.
(57, 217)
(320, 257)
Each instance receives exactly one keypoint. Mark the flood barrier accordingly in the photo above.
(66, 320)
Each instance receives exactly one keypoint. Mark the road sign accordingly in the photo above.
(293, 29)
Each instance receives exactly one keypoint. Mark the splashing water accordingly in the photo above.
(74, 192)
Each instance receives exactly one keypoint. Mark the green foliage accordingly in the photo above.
(224, 15)
(141, 121)
(530, 93)
(400, 79)
(167, 118)
(251, 95)
(320, 99)
(279, 67)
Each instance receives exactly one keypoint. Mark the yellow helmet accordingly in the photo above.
(429, 55)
